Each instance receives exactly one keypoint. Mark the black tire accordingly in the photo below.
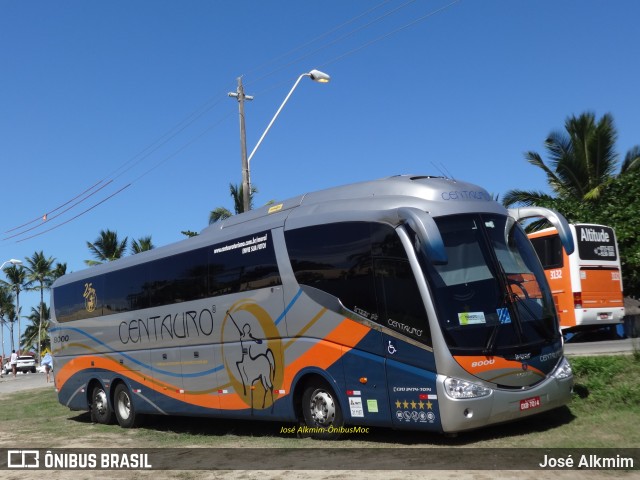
(321, 411)
(101, 411)
(124, 407)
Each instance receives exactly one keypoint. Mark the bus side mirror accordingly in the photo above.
(425, 227)
(555, 218)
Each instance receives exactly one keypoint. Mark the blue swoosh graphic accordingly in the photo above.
(165, 372)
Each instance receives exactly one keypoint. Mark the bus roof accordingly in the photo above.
(364, 200)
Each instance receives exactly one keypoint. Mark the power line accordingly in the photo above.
(339, 39)
(314, 40)
(78, 215)
(393, 32)
(54, 210)
(212, 103)
(46, 218)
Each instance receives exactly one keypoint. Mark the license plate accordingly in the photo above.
(529, 403)
(604, 316)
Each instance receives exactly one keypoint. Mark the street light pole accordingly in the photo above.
(316, 76)
(240, 95)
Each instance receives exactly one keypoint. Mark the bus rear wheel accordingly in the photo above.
(101, 411)
(124, 408)
(321, 411)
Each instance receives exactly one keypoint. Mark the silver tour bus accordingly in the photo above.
(411, 302)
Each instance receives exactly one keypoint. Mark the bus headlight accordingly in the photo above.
(456, 388)
(564, 370)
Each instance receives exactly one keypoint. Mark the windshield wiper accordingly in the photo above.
(510, 298)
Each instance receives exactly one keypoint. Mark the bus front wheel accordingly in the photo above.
(124, 408)
(321, 411)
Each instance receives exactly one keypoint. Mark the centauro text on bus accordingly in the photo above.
(410, 302)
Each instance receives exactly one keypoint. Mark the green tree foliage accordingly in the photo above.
(59, 270)
(16, 282)
(581, 173)
(143, 244)
(6, 313)
(106, 248)
(236, 193)
(581, 161)
(40, 277)
(35, 335)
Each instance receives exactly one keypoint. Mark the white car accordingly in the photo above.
(25, 364)
(42, 369)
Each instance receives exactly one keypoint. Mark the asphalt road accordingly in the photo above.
(605, 347)
(24, 381)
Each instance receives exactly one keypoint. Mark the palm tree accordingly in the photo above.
(106, 248)
(6, 308)
(631, 160)
(236, 192)
(37, 330)
(142, 245)
(17, 277)
(582, 161)
(13, 316)
(39, 272)
(59, 270)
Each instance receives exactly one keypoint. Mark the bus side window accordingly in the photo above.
(399, 300)
(549, 251)
(339, 259)
(336, 258)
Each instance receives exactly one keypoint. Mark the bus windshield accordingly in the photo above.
(491, 296)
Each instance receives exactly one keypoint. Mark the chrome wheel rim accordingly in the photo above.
(101, 402)
(124, 405)
(323, 408)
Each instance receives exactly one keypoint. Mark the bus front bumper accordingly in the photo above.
(503, 405)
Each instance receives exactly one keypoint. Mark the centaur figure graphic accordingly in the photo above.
(254, 367)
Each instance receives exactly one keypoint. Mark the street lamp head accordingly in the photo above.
(13, 261)
(318, 76)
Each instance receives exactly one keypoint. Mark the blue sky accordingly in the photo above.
(136, 92)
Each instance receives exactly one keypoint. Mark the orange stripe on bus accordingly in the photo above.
(327, 351)
(321, 355)
(481, 363)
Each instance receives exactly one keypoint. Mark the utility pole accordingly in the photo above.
(246, 182)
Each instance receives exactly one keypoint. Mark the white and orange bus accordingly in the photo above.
(587, 284)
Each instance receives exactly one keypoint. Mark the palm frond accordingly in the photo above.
(525, 198)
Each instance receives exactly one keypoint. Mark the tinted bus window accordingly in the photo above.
(365, 266)
(549, 251)
(399, 300)
(178, 278)
(236, 266)
(243, 264)
(124, 290)
(336, 258)
(79, 300)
